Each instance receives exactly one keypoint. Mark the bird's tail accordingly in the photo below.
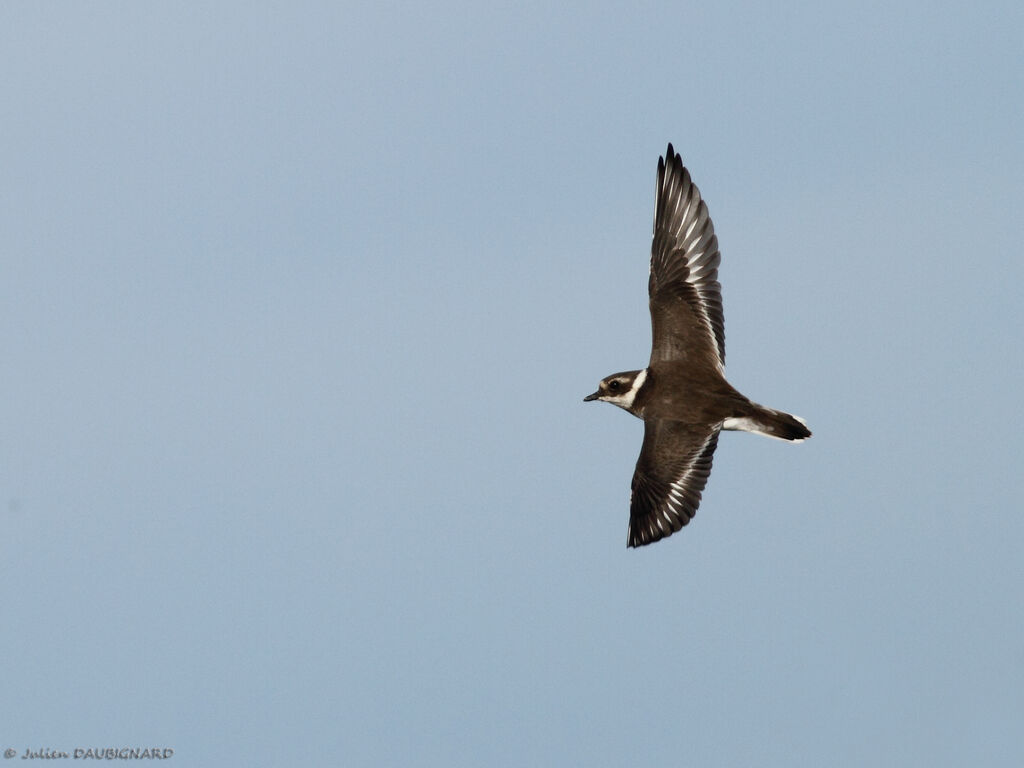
(770, 423)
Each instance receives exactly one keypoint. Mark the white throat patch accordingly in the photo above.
(625, 399)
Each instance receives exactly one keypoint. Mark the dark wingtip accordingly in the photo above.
(780, 424)
(796, 429)
(641, 539)
(636, 542)
(672, 159)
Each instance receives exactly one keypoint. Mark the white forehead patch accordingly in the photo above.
(625, 399)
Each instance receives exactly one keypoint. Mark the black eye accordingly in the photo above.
(613, 385)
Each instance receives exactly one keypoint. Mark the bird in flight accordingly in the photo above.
(682, 395)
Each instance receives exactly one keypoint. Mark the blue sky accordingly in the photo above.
(298, 306)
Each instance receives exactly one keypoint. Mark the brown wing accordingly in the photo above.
(672, 470)
(686, 297)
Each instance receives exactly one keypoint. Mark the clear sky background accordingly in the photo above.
(298, 305)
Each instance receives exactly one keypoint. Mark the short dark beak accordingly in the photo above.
(594, 396)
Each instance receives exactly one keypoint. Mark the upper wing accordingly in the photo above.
(672, 470)
(686, 297)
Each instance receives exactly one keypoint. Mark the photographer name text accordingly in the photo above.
(94, 753)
